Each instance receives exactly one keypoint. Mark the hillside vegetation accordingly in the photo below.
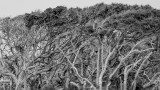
(101, 47)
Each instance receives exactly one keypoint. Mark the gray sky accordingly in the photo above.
(16, 7)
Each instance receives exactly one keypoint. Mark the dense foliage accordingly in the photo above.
(102, 47)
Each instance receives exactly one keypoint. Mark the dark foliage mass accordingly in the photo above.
(101, 47)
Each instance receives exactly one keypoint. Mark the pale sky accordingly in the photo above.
(17, 7)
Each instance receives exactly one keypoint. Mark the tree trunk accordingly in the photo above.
(17, 86)
(25, 84)
(98, 67)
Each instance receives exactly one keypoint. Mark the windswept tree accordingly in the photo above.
(20, 48)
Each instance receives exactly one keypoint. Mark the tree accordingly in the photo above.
(20, 48)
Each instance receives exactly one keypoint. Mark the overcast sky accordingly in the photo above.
(16, 7)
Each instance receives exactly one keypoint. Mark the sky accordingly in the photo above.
(13, 8)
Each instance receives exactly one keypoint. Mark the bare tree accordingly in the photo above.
(20, 48)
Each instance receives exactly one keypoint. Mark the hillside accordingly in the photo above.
(101, 47)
